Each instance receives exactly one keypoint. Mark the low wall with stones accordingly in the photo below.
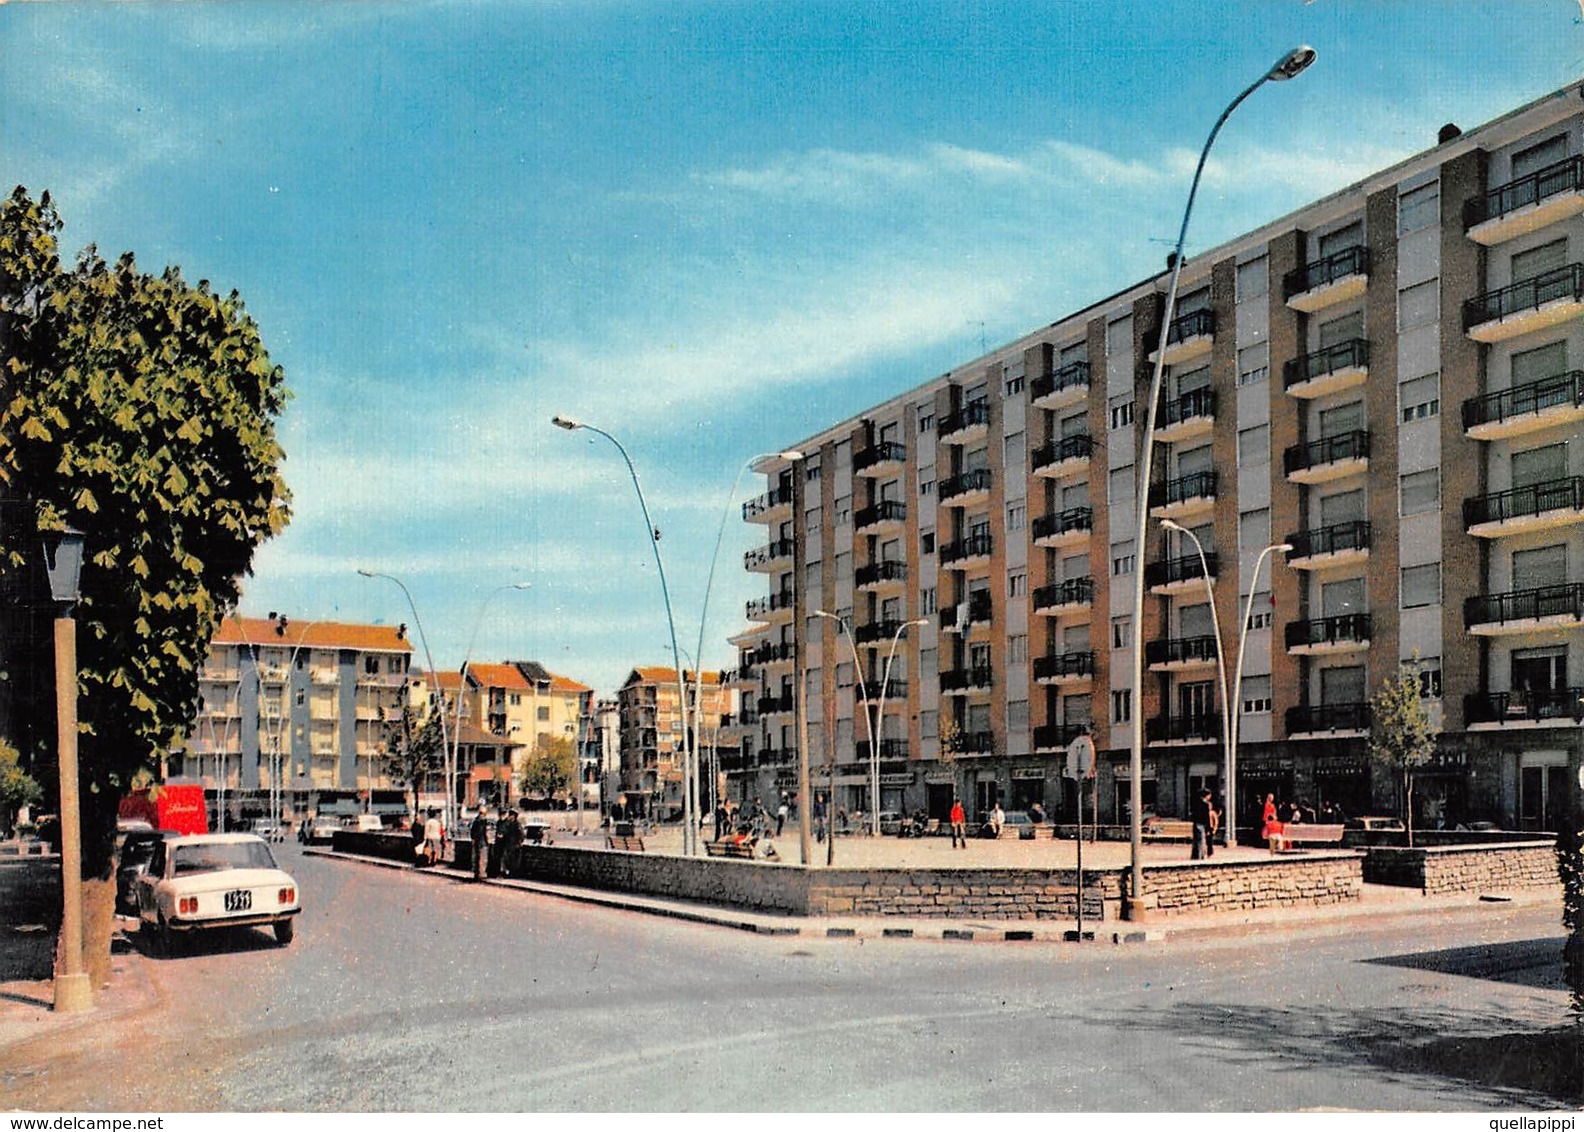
(1307, 880)
(1463, 868)
(1001, 894)
(758, 885)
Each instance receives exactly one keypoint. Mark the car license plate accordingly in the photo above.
(238, 900)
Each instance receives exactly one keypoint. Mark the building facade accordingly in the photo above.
(293, 713)
(1386, 381)
(651, 738)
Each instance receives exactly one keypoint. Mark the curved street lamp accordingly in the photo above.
(1237, 693)
(434, 692)
(689, 822)
(1289, 66)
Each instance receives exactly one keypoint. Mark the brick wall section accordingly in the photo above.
(1464, 868)
(1287, 516)
(1149, 700)
(1224, 449)
(1100, 540)
(1310, 881)
(1380, 399)
(1001, 894)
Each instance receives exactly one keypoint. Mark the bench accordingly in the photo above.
(624, 844)
(1168, 829)
(1306, 833)
(743, 850)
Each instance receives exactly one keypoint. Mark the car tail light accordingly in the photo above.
(288, 896)
(187, 906)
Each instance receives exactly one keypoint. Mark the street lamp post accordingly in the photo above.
(63, 558)
(1228, 758)
(1235, 721)
(709, 583)
(689, 826)
(1288, 66)
(434, 692)
(885, 684)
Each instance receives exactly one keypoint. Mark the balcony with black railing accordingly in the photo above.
(1327, 719)
(1185, 417)
(778, 756)
(892, 689)
(1527, 305)
(1073, 595)
(1066, 456)
(1064, 668)
(1324, 282)
(875, 632)
(1534, 405)
(891, 750)
(1185, 495)
(767, 608)
(767, 507)
(1067, 386)
(1189, 336)
(1329, 546)
(1539, 506)
(976, 743)
(878, 574)
(973, 679)
(1328, 458)
(967, 423)
(965, 551)
(1057, 736)
(881, 458)
(1184, 729)
(1526, 203)
(778, 704)
(1329, 370)
(1346, 632)
(1172, 574)
(1180, 652)
(965, 487)
(887, 513)
(766, 557)
(1523, 611)
(974, 610)
(770, 652)
(1558, 706)
(1063, 528)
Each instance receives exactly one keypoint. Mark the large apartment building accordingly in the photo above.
(651, 738)
(293, 711)
(1387, 380)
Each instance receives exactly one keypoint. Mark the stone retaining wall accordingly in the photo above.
(1306, 880)
(758, 885)
(1464, 868)
(1001, 894)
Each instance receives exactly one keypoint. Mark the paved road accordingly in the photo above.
(408, 993)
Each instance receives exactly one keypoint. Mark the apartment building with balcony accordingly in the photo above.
(651, 736)
(1387, 380)
(299, 707)
(527, 705)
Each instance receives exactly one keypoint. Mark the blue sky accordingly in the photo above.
(712, 230)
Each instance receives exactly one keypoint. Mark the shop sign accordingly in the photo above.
(1028, 774)
(896, 779)
(940, 777)
(1340, 764)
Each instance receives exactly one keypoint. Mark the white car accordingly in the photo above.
(215, 880)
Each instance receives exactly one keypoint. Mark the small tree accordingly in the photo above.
(949, 737)
(414, 749)
(1400, 734)
(551, 766)
(17, 786)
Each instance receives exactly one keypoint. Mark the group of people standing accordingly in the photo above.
(497, 846)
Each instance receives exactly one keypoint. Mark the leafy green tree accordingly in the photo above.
(17, 787)
(1401, 738)
(550, 767)
(414, 750)
(141, 410)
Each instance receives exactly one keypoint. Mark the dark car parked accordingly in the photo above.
(136, 853)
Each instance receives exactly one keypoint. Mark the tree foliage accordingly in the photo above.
(550, 767)
(141, 410)
(1401, 737)
(414, 749)
(17, 787)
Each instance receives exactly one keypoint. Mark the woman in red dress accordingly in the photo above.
(1271, 828)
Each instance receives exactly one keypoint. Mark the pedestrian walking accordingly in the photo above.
(478, 835)
(759, 818)
(781, 815)
(509, 833)
(818, 814)
(1203, 825)
(959, 824)
(434, 838)
(722, 819)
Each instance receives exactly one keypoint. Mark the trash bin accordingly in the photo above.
(625, 829)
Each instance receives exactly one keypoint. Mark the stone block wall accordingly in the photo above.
(1001, 894)
(1306, 881)
(760, 886)
(1441, 869)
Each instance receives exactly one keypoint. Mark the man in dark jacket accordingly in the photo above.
(1203, 825)
(478, 834)
(510, 837)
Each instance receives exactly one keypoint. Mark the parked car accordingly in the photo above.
(269, 830)
(1014, 823)
(366, 823)
(137, 850)
(214, 880)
